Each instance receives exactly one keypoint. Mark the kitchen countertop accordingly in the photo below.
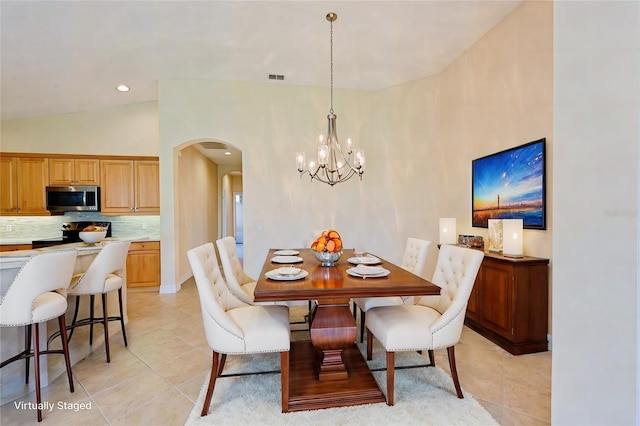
(14, 241)
(15, 259)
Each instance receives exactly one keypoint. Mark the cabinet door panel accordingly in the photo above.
(8, 185)
(117, 186)
(475, 300)
(87, 171)
(147, 187)
(143, 265)
(33, 177)
(497, 292)
(61, 171)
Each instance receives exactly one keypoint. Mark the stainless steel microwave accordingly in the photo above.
(73, 198)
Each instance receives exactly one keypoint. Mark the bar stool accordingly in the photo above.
(104, 275)
(32, 299)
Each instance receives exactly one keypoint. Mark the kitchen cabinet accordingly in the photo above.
(509, 303)
(143, 264)
(74, 171)
(130, 187)
(14, 247)
(22, 185)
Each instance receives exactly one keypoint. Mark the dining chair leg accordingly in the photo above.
(223, 359)
(369, 345)
(27, 349)
(124, 333)
(432, 359)
(36, 366)
(91, 317)
(390, 376)
(454, 371)
(284, 380)
(105, 321)
(62, 322)
(362, 317)
(212, 383)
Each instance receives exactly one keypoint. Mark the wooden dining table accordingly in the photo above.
(330, 370)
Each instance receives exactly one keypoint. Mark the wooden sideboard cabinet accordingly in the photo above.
(143, 264)
(509, 304)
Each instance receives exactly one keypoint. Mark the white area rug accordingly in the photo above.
(423, 396)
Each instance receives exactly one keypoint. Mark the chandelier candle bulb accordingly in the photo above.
(301, 161)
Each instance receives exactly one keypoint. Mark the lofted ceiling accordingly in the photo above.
(66, 56)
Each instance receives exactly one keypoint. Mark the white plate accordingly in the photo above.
(275, 275)
(364, 260)
(286, 259)
(287, 270)
(369, 270)
(286, 252)
(354, 273)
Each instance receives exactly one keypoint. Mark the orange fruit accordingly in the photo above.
(333, 234)
(331, 246)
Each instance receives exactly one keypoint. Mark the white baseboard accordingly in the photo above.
(169, 288)
(549, 341)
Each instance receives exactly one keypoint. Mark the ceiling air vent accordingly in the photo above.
(276, 77)
(213, 145)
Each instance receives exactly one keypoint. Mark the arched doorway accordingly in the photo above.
(199, 169)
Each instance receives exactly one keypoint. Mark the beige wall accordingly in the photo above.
(497, 95)
(269, 123)
(126, 130)
(197, 207)
(596, 244)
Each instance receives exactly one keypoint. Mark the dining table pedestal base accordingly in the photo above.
(332, 329)
(308, 392)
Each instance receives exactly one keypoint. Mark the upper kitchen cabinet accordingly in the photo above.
(130, 187)
(74, 171)
(22, 186)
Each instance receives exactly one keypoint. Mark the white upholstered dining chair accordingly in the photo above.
(433, 322)
(34, 297)
(414, 260)
(235, 327)
(104, 275)
(240, 284)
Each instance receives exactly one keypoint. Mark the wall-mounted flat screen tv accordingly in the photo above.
(510, 184)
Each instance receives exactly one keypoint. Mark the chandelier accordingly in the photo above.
(333, 164)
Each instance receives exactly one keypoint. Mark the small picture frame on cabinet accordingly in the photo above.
(495, 235)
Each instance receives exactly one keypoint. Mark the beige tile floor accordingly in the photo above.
(157, 378)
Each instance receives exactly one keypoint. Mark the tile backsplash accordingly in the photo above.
(40, 227)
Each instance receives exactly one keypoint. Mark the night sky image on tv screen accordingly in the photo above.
(510, 185)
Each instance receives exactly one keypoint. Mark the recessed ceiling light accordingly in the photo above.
(227, 153)
(122, 88)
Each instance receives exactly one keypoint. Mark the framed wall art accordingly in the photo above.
(510, 184)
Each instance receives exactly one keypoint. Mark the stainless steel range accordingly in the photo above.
(70, 234)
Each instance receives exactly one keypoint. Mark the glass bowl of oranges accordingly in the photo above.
(327, 248)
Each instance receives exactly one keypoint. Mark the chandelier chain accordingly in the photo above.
(331, 53)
